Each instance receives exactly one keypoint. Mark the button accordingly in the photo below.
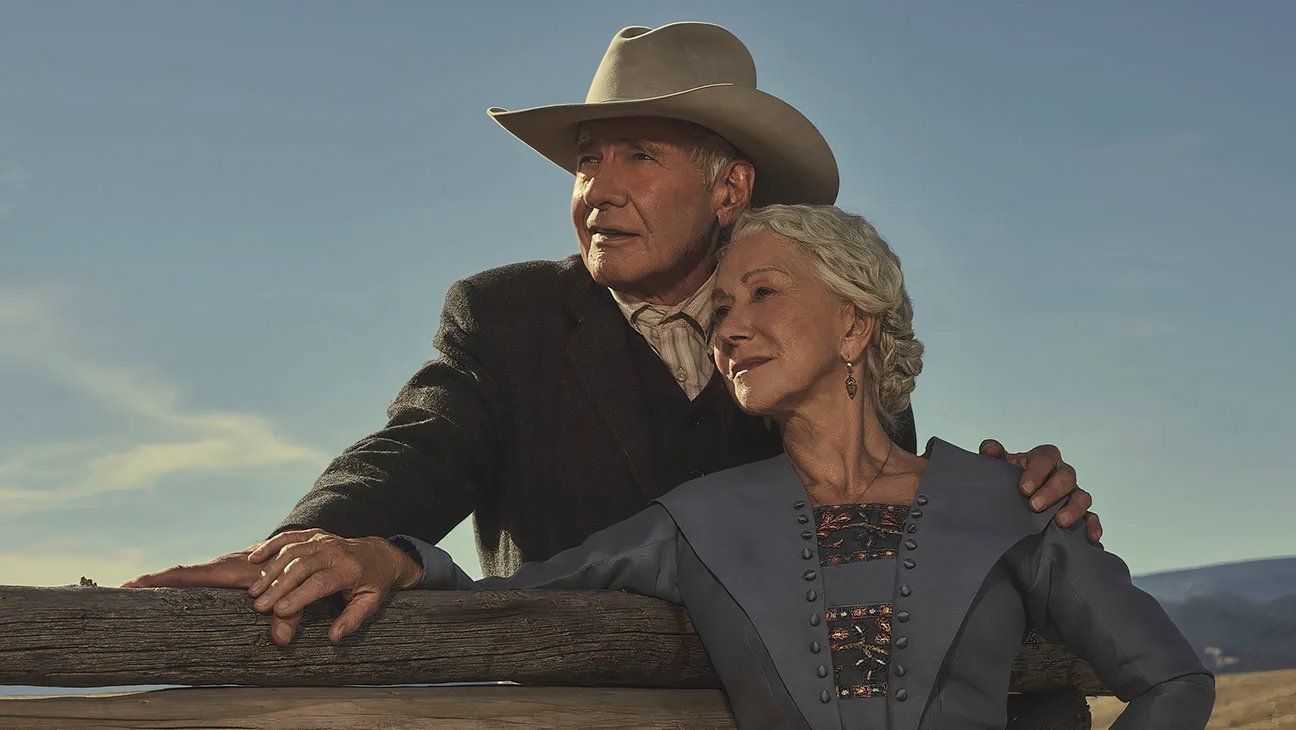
(681, 375)
(808, 575)
(814, 647)
(902, 616)
(902, 642)
(798, 504)
(911, 545)
(814, 619)
(812, 595)
(822, 671)
(922, 499)
(909, 563)
(905, 590)
(807, 535)
(915, 513)
(824, 696)
(898, 670)
(805, 553)
(802, 519)
(911, 529)
(902, 694)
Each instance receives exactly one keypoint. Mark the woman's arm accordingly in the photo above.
(637, 554)
(1081, 595)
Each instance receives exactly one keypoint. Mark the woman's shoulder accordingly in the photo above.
(758, 483)
(978, 488)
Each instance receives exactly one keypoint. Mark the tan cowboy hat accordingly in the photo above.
(701, 73)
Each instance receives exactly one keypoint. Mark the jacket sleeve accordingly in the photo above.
(637, 554)
(424, 471)
(1082, 596)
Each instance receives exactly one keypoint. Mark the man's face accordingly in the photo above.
(644, 215)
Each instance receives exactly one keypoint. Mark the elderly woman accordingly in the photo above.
(848, 583)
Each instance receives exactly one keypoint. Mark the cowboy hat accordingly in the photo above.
(700, 73)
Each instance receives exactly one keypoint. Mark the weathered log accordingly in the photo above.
(83, 637)
(291, 708)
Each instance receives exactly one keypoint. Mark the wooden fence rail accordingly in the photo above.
(90, 636)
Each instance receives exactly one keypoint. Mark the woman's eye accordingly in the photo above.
(762, 292)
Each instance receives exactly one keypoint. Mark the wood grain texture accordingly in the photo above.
(90, 636)
(376, 707)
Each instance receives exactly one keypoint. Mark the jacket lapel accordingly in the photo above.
(600, 357)
(747, 524)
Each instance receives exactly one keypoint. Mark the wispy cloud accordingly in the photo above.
(37, 338)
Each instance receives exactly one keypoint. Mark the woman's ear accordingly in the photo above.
(859, 335)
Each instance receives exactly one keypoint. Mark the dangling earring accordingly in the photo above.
(851, 387)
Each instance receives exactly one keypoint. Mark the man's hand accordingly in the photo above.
(228, 571)
(298, 568)
(1046, 479)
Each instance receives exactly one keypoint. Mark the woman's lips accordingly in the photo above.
(747, 364)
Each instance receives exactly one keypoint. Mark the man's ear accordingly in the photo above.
(733, 192)
(860, 333)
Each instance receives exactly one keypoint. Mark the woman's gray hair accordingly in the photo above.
(851, 260)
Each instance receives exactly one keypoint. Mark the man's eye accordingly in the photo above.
(584, 160)
(643, 156)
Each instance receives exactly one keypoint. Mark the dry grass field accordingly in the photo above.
(1255, 700)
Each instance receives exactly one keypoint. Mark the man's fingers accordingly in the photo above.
(361, 606)
(993, 449)
(316, 586)
(1093, 527)
(272, 546)
(227, 571)
(1040, 463)
(1059, 485)
(1075, 508)
(294, 574)
(271, 570)
(284, 628)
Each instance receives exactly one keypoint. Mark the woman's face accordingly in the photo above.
(778, 331)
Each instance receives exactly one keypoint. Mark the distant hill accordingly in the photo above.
(1240, 617)
(1260, 580)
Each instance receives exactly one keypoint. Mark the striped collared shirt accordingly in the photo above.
(677, 334)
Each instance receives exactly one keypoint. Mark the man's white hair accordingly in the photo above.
(851, 260)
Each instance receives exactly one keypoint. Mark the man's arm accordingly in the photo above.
(423, 472)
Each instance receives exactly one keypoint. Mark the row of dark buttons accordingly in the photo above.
(903, 616)
(812, 595)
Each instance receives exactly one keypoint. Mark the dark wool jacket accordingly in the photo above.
(540, 417)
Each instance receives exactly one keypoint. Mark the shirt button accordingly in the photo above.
(680, 375)
(825, 697)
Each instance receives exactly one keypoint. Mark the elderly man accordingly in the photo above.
(568, 394)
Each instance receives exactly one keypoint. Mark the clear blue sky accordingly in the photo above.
(226, 230)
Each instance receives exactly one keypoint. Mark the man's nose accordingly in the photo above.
(605, 187)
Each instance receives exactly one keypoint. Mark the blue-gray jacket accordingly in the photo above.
(981, 570)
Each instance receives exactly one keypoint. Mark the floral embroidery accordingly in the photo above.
(860, 640)
(853, 532)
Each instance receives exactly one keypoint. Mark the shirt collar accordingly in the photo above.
(697, 307)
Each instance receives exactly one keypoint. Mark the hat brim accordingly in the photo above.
(794, 164)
